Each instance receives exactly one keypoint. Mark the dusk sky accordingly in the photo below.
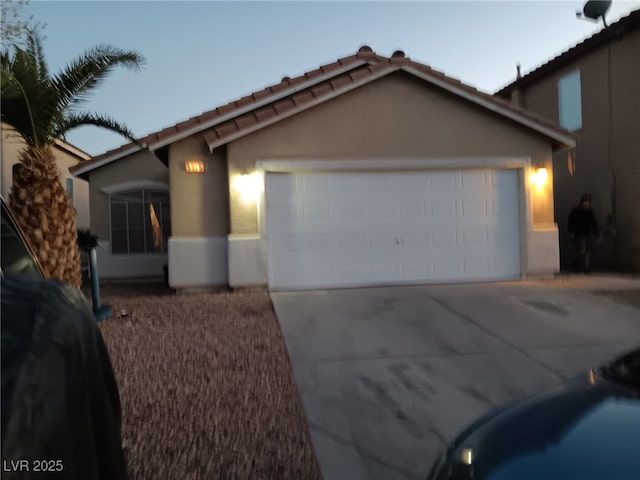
(203, 54)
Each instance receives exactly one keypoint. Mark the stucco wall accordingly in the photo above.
(592, 171)
(199, 201)
(141, 167)
(394, 117)
(11, 146)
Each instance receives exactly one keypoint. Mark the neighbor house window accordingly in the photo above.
(69, 188)
(140, 221)
(570, 101)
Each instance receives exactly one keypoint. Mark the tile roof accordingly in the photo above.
(292, 95)
(616, 30)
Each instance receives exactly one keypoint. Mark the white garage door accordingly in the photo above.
(358, 229)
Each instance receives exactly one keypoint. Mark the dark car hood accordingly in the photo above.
(586, 429)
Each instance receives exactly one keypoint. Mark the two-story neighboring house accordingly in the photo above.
(593, 90)
(67, 156)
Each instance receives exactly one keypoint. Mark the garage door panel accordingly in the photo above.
(384, 241)
(415, 271)
(315, 214)
(443, 181)
(351, 184)
(377, 228)
(413, 181)
(315, 184)
(413, 240)
(444, 209)
(383, 272)
(474, 208)
(445, 268)
(349, 213)
(505, 209)
(286, 191)
(474, 180)
(444, 238)
(352, 242)
(412, 211)
(475, 237)
(351, 273)
(476, 267)
(386, 212)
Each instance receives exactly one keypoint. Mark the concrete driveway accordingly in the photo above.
(388, 375)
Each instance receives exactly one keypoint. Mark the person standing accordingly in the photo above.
(583, 228)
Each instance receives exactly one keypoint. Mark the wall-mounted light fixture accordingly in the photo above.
(248, 185)
(194, 166)
(540, 177)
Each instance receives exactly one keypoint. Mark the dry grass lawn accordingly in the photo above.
(206, 387)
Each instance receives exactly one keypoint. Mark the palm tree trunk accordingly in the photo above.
(45, 213)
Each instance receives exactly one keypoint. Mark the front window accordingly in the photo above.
(140, 221)
(570, 101)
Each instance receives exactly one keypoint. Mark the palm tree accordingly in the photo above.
(41, 108)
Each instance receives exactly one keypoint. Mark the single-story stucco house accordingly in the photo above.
(366, 171)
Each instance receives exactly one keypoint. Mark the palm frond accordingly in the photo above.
(74, 120)
(35, 50)
(76, 81)
(41, 108)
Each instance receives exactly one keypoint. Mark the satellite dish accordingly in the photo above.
(595, 9)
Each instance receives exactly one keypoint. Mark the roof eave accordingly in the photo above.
(72, 149)
(81, 170)
(586, 46)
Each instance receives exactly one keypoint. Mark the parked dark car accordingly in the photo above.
(587, 429)
(17, 258)
(61, 412)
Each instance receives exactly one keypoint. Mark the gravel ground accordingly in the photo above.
(206, 386)
(627, 297)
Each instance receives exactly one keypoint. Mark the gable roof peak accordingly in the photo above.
(366, 52)
(295, 94)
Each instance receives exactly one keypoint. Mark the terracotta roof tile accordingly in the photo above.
(303, 97)
(246, 121)
(210, 136)
(225, 109)
(321, 89)
(360, 74)
(298, 80)
(187, 123)
(340, 82)
(313, 73)
(226, 129)
(265, 113)
(211, 114)
(284, 105)
(330, 67)
(279, 87)
(378, 67)
(245, 101)
(260, 94)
